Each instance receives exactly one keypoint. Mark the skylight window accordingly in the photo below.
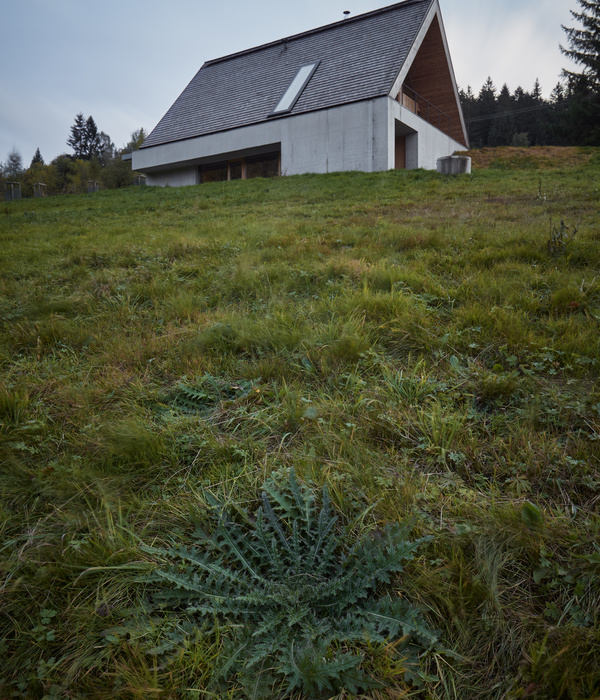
(291, 95)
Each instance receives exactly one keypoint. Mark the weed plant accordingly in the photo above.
(290, 595)
(408, 341)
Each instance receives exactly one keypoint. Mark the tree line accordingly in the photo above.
(94, 157)
(570, 117)
(521, 118)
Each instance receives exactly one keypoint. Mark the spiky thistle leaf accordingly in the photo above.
(291, 588)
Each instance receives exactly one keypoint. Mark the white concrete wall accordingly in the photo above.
(174, 178)
(412, 151)
(350, 137)
(431, 142)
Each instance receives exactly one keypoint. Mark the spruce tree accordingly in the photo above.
(37, 158)
(557, 96)
(77, 138)
(487, 110)
(85, 140)
(535, 120)
(13, 168)
(584, 87)
(584, 45)
(91, 139)
(503, 126)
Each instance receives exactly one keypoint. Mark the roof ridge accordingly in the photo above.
(316, 30)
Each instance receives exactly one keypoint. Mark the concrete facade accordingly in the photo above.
(359, 136)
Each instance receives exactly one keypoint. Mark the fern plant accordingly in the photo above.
(294, 594)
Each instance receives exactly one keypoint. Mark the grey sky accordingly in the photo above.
(125, 61)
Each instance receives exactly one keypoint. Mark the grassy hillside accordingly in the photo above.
(425, 347)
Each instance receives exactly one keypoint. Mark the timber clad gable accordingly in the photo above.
(429, 77)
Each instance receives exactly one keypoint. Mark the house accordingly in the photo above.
(372, 92)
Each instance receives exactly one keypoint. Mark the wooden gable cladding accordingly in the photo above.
(430, 77)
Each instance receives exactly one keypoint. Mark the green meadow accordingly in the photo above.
(420, 351)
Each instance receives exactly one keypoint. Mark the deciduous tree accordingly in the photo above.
(137, 139)
(106, 149)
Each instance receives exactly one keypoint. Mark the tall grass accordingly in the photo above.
(406, 339)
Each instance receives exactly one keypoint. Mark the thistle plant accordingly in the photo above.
(297, 598)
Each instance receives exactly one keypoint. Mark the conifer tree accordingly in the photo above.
(533, 121)
(557, 96)
(584, 87)
(77, 138)
(13, 168)
(584, 45)
(92, 139)
(487, 109)
(503, 127)
(37, 158)
(85, 140)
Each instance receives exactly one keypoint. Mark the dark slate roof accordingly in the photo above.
(360, 58)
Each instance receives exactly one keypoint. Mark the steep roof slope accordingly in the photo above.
(359, 59)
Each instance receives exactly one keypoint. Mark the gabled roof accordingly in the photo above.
(359, 59)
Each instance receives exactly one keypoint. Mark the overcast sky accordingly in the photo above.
(125, 61)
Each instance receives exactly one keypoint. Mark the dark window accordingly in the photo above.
(266, 165)
(236, 168)
(216, 172)
(263, 166)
